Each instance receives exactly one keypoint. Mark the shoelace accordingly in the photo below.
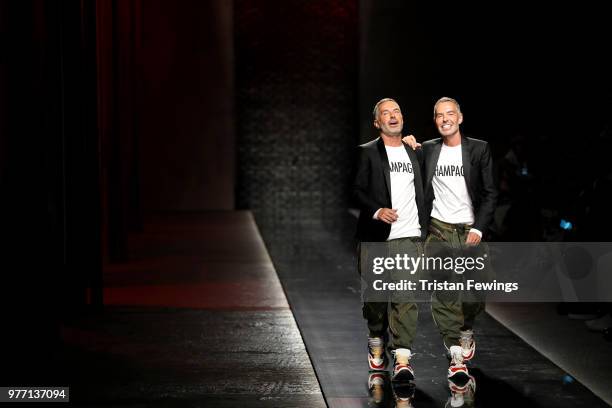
(409, 357)
(466, 339)
(375, 347)
(411, 353)
(375, 342)
(457, 357)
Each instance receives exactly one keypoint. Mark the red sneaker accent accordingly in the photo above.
(458, 368)
(468, 356)
(403, 372)
(374, 366)
(376, 347)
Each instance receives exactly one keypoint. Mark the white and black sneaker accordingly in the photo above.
(402, 371)
(376, 354)
(468, 344)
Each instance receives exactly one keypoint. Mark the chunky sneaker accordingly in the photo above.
(457, 371)
(402, 371)
(376, 354)
(377, 387)
(468, 344)
(461, 395)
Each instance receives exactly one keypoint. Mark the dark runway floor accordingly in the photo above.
(165, 357)
(318, 271)
(198, 318)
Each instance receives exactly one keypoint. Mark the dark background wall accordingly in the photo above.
(50, 205)
(111, 111)
(185, 64)
(296, 82)
(513, 69)
(164, 91)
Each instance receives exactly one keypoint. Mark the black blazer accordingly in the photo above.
(478, 173)
(372, 189)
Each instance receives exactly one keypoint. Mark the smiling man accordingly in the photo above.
(388, 190)
(460, 195)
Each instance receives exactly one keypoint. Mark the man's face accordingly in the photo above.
(389, 120)
(448, 119)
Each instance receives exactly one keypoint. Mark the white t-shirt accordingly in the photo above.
(402, 194)
(452, 202)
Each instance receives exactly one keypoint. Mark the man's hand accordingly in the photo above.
(472, 239)
(387, 215)
(411, 141)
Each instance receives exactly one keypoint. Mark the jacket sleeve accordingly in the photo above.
(361, 188)
(489, 191)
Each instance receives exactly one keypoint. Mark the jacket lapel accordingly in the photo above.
(418, 180)
(466, 154)
(432, 162)
(384, 161)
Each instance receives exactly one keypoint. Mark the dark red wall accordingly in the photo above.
(186, 140)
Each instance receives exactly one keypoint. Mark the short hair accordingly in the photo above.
(446, 99)
(375, 111)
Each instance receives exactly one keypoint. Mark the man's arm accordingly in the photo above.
(361, 193)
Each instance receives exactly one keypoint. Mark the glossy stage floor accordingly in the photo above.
(198, 317)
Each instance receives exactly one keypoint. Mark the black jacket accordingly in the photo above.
(372, 189)
(478, 173)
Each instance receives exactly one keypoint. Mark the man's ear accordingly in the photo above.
(460, 119)
(376, 124)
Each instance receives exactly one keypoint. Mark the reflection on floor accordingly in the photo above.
(582, 353)
(318, 270)
(196, 318)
